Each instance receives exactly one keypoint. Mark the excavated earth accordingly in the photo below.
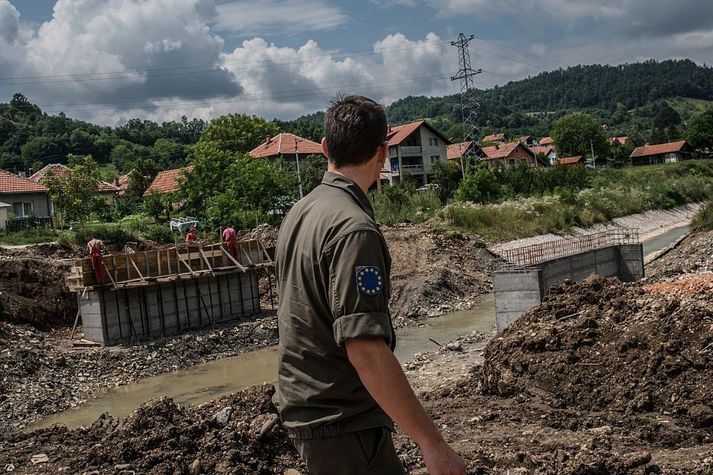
(693, 254)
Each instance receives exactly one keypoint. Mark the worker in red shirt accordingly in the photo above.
(230, 240)
(95, 247)
(191, 235)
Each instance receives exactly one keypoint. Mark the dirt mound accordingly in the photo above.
(693, 254)
(240, 433)
(33, 291)
(604, 345)
(53, 250)
(684, 285)
(435, 272)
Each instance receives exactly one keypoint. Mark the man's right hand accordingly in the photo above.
(441, 459)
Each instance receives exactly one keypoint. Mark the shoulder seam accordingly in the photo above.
(342, 235)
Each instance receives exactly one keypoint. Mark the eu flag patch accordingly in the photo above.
(369, 280)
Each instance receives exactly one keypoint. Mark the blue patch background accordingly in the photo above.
(369, 280)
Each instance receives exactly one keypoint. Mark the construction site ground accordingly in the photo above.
(602, 377)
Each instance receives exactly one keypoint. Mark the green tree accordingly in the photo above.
(579, 134)
(155, 205)
(237, 133)
(479, 187)
(312, 171)
(447, 175)
(74, 192)
(700, 132)
(256, 190)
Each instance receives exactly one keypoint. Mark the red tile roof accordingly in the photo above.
(167, 181)
(286, 144)
(542, 149)
(546, 141)
(58, 169)
(399, 133)
(495, 137)
(456, 150)
(648, 150)
(570, 160)
(123, 183)
(11, 183)
(502, 150)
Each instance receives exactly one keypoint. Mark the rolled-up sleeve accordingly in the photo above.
(359, 287)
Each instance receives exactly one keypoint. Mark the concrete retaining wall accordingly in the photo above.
(114, 316)
(518, 291)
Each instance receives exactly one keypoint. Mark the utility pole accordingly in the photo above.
(468, 104)
(594, 160)
(299, 175)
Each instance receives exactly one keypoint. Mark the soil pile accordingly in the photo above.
(53, 250)
(435, 272)
(33, 291)
(603, 345)
(693, 254)
(240, 433)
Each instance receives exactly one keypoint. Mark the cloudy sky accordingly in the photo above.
(110, 60)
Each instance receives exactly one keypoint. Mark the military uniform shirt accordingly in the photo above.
(333, 271)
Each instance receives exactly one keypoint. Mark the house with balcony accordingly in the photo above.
(413, 149)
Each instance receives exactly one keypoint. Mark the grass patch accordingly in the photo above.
(395, 205)
(32, 236)
(703, 220)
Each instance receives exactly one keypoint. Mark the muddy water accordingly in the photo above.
(207, 381)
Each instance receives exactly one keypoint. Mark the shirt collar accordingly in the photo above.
(347, 184)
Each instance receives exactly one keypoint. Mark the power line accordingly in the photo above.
(524, 52)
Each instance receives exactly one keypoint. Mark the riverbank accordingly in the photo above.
(602, 377)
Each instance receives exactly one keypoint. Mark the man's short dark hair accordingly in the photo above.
(355, 127)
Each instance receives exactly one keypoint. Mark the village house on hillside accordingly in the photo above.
(22, 197)
(662, 153)
(106, 191)
(511, 154)
(167, 181)
(462, 149)
(496, 138)
(546, 141)
(413, 149)
(547, 151)
(576, 161)
(618, 140)
(288, 146)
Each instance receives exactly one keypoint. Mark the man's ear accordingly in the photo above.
(324, 147)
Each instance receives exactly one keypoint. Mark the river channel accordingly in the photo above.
(207, 381)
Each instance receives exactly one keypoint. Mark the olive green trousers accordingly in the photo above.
(367, 452)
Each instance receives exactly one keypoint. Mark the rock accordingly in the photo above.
(195, 467)
(637, 459)
(600, 430)
(267, 425)
(9, 468)
(454, 346)
(291, 471)
(122, 466)
(39, 458)
(701, 415)
(223, 416)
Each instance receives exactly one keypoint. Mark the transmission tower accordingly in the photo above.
(468, 104)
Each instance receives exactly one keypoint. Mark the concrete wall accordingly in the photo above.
(114, 316)
(518, 291)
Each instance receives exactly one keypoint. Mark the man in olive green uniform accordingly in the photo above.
(340, 385)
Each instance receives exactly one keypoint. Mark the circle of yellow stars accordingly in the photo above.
(373, 275)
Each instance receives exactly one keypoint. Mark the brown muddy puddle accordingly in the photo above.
(207, 381)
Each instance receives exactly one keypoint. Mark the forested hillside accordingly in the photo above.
(640, 98)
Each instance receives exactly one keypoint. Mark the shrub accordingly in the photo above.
(159, 234)
(111, 234)
(703, 220)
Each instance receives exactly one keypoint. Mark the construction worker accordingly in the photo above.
(230, 240)
(191, 235)
(95, 247)
(340, 386)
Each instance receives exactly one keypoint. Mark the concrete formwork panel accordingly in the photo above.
(113, 316)
(518, 291)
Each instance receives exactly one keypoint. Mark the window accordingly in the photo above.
(435, 158)
(432, 141)
(512, 162)
(22, 210)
